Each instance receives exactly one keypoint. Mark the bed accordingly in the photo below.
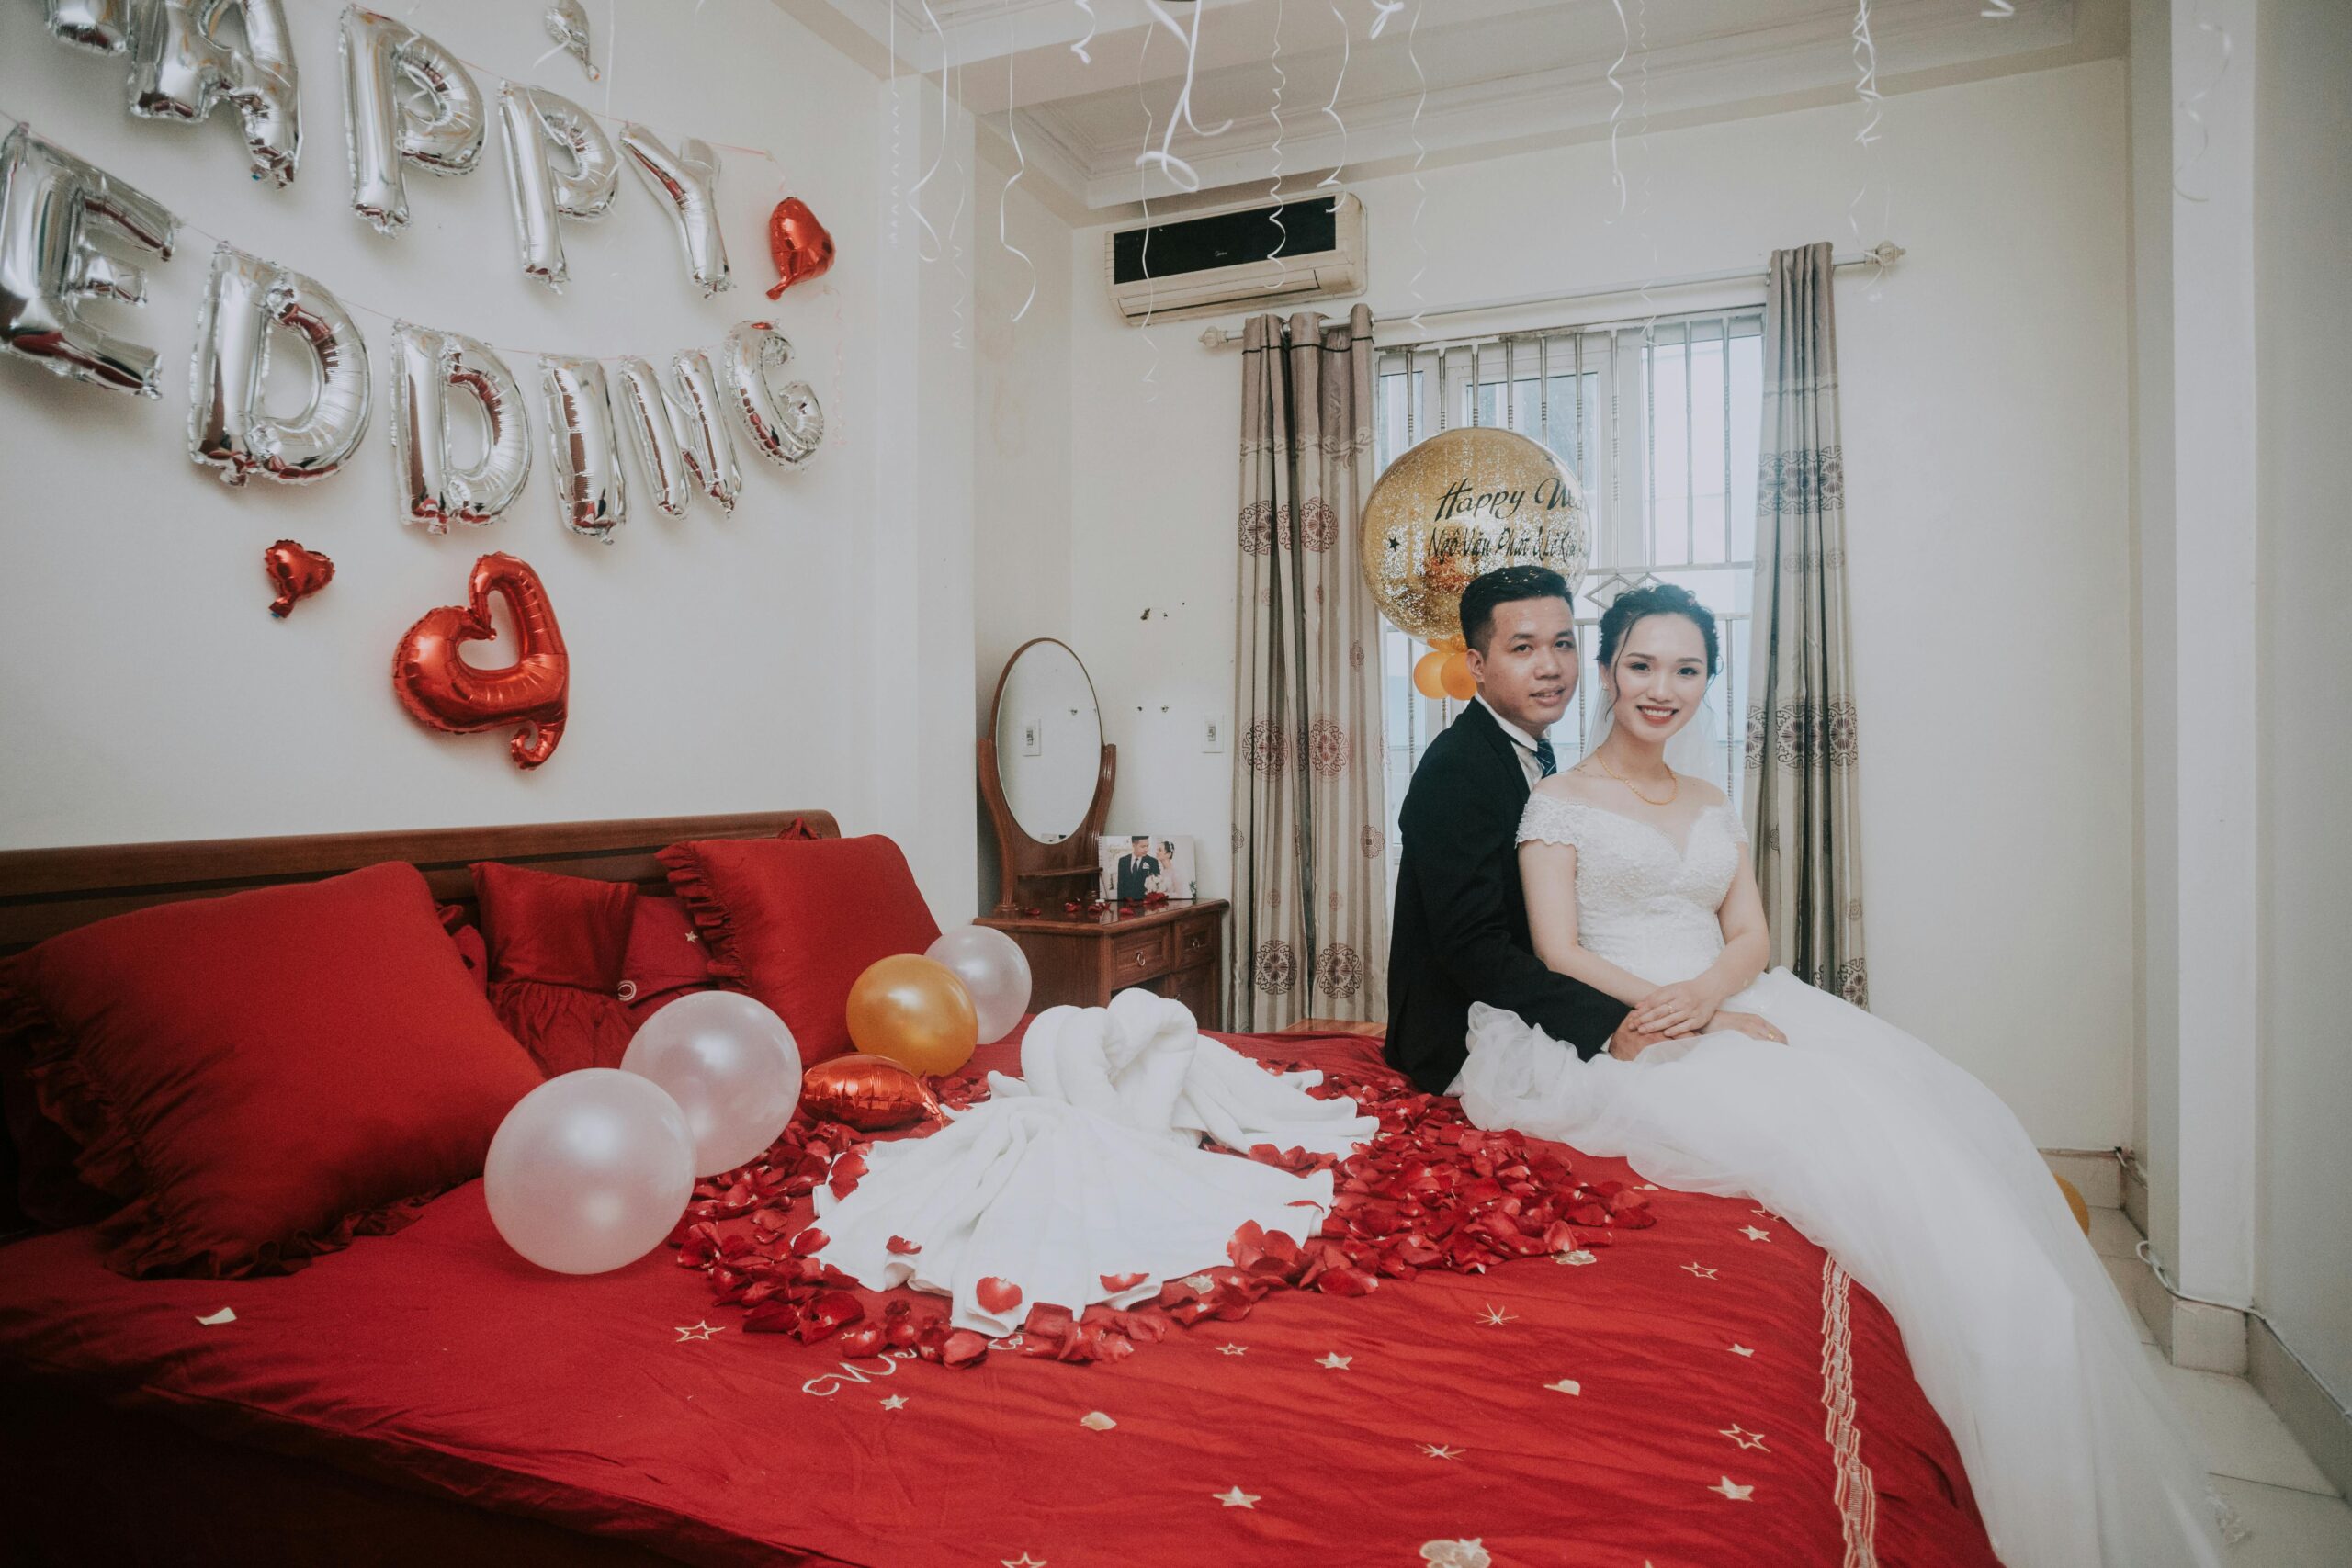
(1710, 1391)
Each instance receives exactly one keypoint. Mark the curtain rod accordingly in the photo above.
(1885, 253)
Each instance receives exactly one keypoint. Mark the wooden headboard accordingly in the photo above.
(44, 892)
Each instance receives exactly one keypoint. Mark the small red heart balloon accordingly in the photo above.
(296, 573)
(868, 1093)
(439, 689)
(798, 242)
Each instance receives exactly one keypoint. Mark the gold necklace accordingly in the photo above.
(1673, 778)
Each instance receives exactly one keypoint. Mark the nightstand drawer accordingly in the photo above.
(1197, 942)
(1139, 955)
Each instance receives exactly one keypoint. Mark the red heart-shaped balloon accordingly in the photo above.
(798, 242)
(441, 690)
(868, 1093)
(296, 573)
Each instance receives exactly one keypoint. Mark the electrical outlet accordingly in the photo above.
(1213, 732)
(1033, 743)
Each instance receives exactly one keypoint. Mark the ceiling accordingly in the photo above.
(1443, 81)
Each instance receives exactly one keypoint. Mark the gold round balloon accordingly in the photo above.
(915, 1011)
(1463, 502)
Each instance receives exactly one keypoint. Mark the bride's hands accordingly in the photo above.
(1749, 1023)
(1685, 1007)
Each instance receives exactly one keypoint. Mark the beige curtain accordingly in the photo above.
(1310, 817)
(1802, 814)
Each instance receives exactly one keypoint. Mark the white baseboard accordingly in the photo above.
(2305, 1407)
(2098, 1177)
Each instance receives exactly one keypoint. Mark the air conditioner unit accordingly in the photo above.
(1309, 249)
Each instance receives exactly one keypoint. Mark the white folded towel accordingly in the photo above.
(1087, 1171)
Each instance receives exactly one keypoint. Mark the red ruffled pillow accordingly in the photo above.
(795, 922)
(258, 1075)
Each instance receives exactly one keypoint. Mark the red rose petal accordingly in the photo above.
(809, 1242)
(1117, 1283)
(903, 1247)
(997, 1297)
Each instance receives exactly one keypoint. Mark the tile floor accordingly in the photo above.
(2295, 1516)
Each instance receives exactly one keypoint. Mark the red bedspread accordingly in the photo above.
(1710, 1391)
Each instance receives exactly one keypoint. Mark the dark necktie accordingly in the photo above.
(1545, 761)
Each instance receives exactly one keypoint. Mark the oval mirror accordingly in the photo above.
(1048, 740)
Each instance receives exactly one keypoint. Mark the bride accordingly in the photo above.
(1905, 1168)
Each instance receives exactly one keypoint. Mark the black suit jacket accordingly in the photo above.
(1460, 931)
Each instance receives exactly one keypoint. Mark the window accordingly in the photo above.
(1659, 423)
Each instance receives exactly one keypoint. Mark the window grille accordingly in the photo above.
(1659, 423)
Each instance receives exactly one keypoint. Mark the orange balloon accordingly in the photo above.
(1456, 677)
(1426, 679)
(1454, 644)
(916, 1012)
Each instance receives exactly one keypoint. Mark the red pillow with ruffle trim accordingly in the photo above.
(795, 921)
(263, 1075)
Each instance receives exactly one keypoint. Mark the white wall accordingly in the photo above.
(2303, 227)
(1020, 464)
(1986, 425)
(147, 694)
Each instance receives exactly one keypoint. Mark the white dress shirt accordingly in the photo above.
(1522, 740)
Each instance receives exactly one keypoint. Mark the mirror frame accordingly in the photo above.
(1052, 872)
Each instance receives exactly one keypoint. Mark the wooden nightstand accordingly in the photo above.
(1177, 951)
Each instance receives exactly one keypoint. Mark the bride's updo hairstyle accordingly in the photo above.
(1638, 604)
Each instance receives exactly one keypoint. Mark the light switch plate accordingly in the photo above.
(1032, 737)
(1213, 732)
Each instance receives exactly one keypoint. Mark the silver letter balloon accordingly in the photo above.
(786, 422)
(101, 25)
(50, 202)
(248, 298)
(681, 435)
(538, 124)
(687, 180)
(405, 98)
(434, 492)
(590, 492)
(183, 69)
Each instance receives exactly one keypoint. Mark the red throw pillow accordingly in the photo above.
(254, 1073)
(795, 922)
(666, 957)
(571, 931)
(563, 1027)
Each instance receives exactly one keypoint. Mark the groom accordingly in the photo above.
(1460, 930)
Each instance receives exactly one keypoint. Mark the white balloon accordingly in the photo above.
(731, 1065)
(687, 183)
(246, 298)
(434, 491)
(589, 1171)
(786, 422)
(405, 100)
(993, 968)
(539, 124)
(182, 68)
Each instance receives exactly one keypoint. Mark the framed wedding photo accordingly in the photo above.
(1136, 865)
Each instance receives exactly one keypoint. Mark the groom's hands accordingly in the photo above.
(1628, 1041)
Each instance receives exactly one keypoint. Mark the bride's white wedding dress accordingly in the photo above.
(1905, 1168)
